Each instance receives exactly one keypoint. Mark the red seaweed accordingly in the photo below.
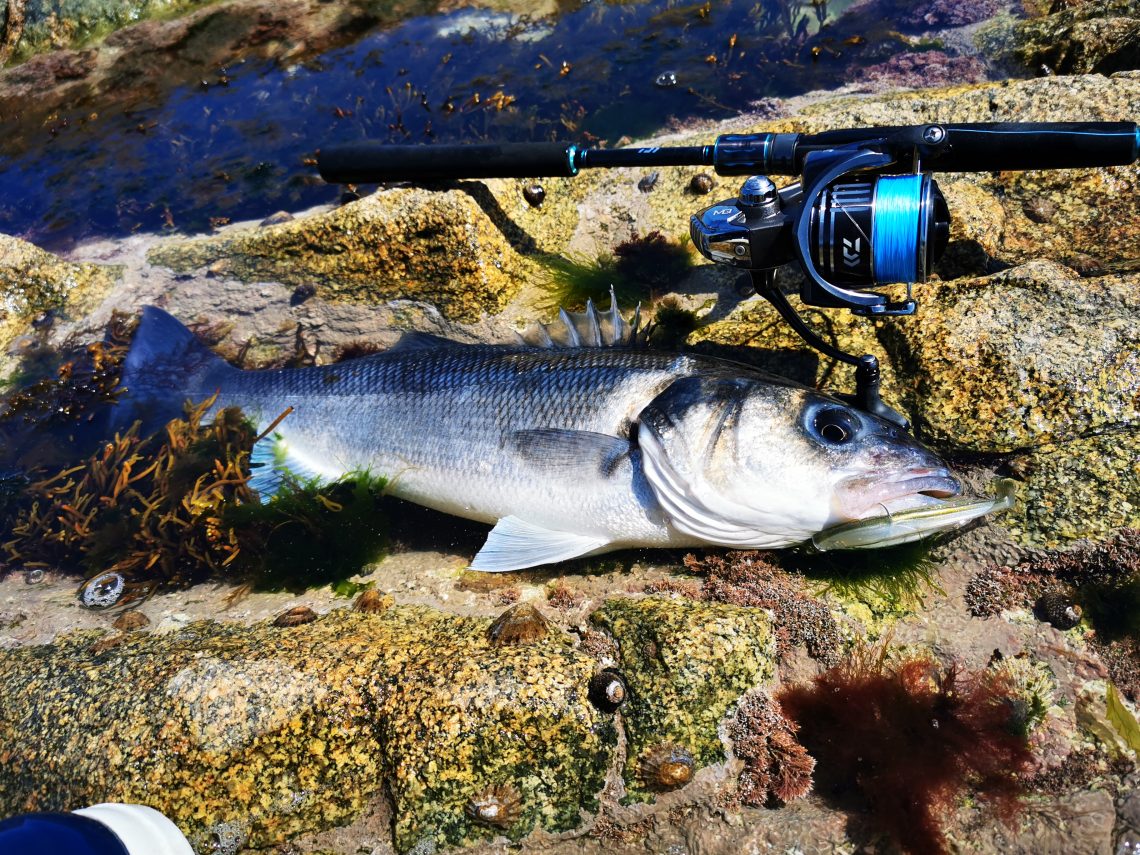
(906, 741)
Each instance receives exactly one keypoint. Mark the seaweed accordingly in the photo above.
(776, 765)
(895, 578)
(907, 739)
(641, 269)
(755, 579)
(54, 414)
(311, 534)
(176, 508)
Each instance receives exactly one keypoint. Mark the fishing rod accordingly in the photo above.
(864, 212)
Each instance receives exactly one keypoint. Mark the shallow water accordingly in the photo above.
(240, 143)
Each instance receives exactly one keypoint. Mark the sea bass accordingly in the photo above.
(566, 451)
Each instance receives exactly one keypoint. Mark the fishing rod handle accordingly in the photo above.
(373, 163)
(999, 146)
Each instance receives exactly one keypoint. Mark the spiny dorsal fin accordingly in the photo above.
(590, 328)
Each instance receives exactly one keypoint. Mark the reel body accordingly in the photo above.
(852, 234)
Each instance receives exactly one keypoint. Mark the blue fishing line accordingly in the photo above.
(894, 229)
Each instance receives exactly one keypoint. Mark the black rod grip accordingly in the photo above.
(1046, 145)
(372, 163)
(998, 146)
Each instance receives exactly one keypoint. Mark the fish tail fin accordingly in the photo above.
(165, 366)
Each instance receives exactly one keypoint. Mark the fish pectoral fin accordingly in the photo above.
(515, 544)
(274, 462)
(579, 450)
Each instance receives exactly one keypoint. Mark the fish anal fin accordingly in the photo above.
(515, 544)
(579, 450)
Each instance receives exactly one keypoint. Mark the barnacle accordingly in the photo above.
(666, 767)
(608, 690)
(520, 624)
(295, 616)
(499, 805)
(1057, 608)
(104, 590)
(373, 601)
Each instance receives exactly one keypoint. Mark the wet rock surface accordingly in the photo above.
(34, 282)
(1090, 36)
(437, 248)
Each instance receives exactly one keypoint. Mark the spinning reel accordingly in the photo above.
(864, 213)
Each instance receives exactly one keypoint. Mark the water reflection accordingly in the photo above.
(241, 143)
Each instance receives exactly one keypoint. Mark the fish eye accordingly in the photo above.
(835, 426)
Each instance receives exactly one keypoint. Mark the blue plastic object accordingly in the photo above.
(57, 834)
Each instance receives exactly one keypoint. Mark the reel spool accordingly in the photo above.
(879, 230)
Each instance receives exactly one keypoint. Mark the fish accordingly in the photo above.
(567, 451)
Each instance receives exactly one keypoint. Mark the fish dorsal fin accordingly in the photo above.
(574, 450)
(415, 340)
(515, 544)
(274, 462)
(590, 328)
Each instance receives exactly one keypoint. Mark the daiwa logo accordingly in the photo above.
(851, 249)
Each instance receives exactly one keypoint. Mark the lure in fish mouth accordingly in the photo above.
(567, 451)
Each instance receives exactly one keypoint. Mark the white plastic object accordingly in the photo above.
(142, 830)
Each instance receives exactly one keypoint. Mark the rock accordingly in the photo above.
(408, 243)
(33, 281)
(1085, 488)
(1031, 357)
(1095, 36)
(268, 733)
(686, 663)
(1034, 359)
(54, 24)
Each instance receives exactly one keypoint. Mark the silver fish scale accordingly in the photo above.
(438, 421)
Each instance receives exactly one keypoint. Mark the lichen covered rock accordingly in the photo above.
(1091, 36)
(1039, 362)
(34, 281)
(686, 664)
(1084, 488)
(261, 733)
(436, 247)
(1028, 357)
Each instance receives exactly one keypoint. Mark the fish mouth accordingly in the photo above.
(870, 495)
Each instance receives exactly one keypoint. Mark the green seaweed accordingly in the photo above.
(894, 579)
(639, 270)
(1121, 719)
(313, 534)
